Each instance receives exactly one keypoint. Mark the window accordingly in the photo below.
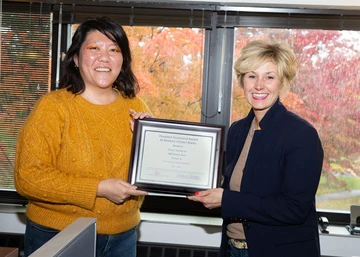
(168, 63)
(326, 93)
(24, 75)
(183, 55)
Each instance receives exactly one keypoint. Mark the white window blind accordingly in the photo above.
(24, 74)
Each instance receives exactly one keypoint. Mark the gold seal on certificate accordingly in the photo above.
(175, 158)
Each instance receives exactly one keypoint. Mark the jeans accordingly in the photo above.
(234, 252)
(123, 244)
(35, 236)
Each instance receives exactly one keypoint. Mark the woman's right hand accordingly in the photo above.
(117, 190)
(138, 115)
(210, 198)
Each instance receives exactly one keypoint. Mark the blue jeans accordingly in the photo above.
(35, 236)
(234, 252)
(123, 244)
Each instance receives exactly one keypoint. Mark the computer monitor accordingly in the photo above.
(77, 239)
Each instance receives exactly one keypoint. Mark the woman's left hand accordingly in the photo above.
(138, 115)
(210, 198)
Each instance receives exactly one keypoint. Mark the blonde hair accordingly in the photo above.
(258, 52)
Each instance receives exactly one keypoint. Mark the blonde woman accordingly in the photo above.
(273, 165)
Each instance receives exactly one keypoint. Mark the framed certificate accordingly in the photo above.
(175, 158)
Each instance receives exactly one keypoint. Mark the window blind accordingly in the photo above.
(207, 16)
(24, 74)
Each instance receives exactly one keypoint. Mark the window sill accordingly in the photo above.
(190, 230)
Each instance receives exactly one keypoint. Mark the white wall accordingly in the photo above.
(203, 231)
(190, 231)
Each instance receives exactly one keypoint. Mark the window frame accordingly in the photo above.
(219, 23)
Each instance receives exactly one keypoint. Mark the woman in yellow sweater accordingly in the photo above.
(73, 152)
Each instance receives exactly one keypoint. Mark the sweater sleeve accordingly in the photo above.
(141, 106)
(39, 143)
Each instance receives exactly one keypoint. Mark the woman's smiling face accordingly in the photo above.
(262, 87)
(99, 61)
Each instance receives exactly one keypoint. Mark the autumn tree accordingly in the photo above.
(326, 92)
(168, 65)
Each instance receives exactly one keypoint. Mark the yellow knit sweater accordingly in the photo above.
(65, 148)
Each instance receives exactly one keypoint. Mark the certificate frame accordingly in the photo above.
(175, 158)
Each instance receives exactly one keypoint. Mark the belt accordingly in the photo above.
(239, 243)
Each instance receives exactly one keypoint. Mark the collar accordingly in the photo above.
(271, 118)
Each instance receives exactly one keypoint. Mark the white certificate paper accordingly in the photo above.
(175, 157)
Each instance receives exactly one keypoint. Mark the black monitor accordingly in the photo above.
(77, 239)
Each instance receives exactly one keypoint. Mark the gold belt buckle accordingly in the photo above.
(239, 244)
